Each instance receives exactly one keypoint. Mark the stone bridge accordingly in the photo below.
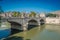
(24, 22)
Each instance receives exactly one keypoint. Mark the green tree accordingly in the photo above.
(16, 14)
(51, 15)
(32, 14)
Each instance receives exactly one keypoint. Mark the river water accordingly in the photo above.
(45, 32)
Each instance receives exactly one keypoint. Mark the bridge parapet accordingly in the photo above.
(10, 15)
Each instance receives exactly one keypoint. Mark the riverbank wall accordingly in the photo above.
(52, 21)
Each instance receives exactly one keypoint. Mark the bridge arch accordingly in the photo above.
(42, 21)
(32, 23)
(15, 25)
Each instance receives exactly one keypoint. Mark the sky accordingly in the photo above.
(30, 5)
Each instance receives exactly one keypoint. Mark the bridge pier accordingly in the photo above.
(38, 22)
(25, 27)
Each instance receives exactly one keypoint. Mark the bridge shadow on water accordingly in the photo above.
(14, 31)
(32, 26)
(14, 38)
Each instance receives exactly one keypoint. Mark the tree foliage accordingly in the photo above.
(32, 14)
(51, 15)
(16, 14)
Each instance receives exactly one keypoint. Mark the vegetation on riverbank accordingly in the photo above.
(51, 15)
(4, 25)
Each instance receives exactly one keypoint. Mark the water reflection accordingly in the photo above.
(27, 35)
(46, 34)
(43, 32)
(14, 31)
(53, 28)
(14, 38)
(31, 26)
